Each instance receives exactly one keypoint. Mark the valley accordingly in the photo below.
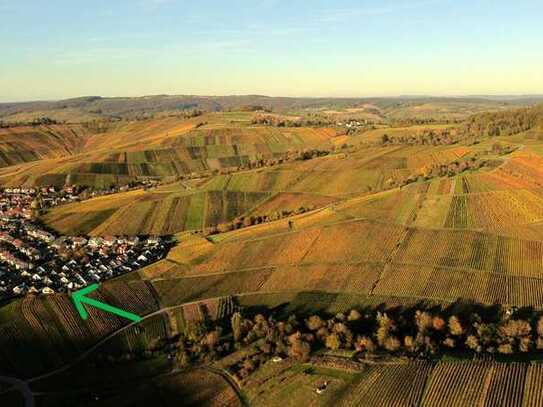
(371, 228)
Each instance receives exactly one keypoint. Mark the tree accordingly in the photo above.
(333, 341)
(298, 348)
(354, 315)
(424, 321)
(314, 323)
(183, 358)
(385, 326)
(505, 348)
(449, 342)
(410, 344)
(212, 339)
(540, 326)
(364, 343)
(236, 326)
(392, 344)
(438, 323)
(473, 343)
(455, 327)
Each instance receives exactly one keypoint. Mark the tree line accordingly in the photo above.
(38, 121)
(504, 123)
(418, 332)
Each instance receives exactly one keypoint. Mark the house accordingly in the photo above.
(40, 234)
(321, 387)
(79, 241)
(109, 240)
(95, 242)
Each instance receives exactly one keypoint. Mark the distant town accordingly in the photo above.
(36, 260)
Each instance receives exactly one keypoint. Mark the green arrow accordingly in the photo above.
(79, 299)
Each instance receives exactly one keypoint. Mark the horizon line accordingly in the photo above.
(400, 96)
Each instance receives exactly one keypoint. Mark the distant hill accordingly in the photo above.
(87, 108)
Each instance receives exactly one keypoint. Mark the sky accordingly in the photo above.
(67, 48)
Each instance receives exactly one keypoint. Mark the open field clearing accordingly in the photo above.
(309, 184)
(366, 170)
(390, 385)
(441, 110)
(470, 386)
(312, 245)
(386, 238)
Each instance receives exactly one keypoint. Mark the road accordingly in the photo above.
(22, 387)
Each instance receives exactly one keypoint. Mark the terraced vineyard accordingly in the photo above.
(401, 384)
(55, 320)
(153, 213)
(280, 221)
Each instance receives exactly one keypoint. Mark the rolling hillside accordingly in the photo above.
(92, 107)
(160, 148)
(371, 225)
(32, 143)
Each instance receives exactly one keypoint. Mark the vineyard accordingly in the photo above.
(446, 284)
(427, 159)
(462, 384)
(495, 210)
(391, 385)
(197, 388)
(164, 147)
(50, 330)
(31, 143)
(160, 214)
(327, 218)
(357, 241)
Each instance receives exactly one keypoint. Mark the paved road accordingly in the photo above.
(231, 382)
(22, 387)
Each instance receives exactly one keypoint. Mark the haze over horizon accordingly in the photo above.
(270, 47)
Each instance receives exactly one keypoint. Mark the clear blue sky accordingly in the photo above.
(63, 48)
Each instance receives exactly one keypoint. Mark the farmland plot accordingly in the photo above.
(457, 384)
(388, 385)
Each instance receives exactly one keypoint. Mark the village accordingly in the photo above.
(36, 260)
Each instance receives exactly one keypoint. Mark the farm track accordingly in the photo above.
(389, 261)
(111, 335)
(161, 311)
(363, 219)
(231, 382)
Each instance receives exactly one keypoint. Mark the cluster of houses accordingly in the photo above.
(351, 124)
(36, 260)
